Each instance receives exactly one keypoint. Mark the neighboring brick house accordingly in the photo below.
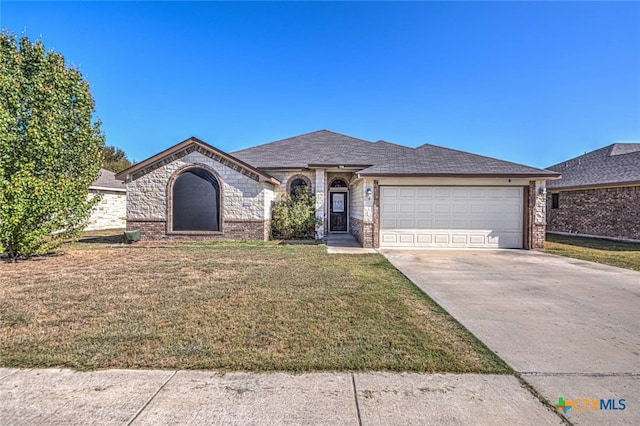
(386, 195)
(111, 211)
(598, 195)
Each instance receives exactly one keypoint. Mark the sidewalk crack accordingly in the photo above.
(355, 396)
(146, 404)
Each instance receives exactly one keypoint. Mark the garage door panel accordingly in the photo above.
(451, 217)
(388, 223)
(441, 238)
(477, 239)
(424, 208)
(407, 224)
(459, 239)
(407, 193)
(513, 193)
(389, 237)
(424, 192)
(406, 208)
(460, 193)
(406, 238)
(441, 223)
(477, 193)
(388, 207)
(389, 192)
(424, 238)
(424, 223)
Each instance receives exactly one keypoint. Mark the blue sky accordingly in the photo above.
(534, 83)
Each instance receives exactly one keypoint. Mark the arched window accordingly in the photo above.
(339, 183)
(298, 184)
(196, 201)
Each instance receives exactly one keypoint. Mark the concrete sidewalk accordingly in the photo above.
(152, 397)
(345, 244)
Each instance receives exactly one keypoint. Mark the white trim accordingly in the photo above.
(104, 188)
(435, 181)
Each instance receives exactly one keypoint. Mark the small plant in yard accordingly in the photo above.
(294, 216)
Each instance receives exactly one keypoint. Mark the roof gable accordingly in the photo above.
(614, 164)
(188, 146)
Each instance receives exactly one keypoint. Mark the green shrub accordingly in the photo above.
(294, 216)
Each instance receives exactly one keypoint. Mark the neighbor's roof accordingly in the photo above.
(107, 180)
(326, 148)
(432, 160)
(190, 145)
(320, 148)
(615, 164)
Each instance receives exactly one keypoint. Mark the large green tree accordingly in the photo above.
(50, 148)
(115, 159)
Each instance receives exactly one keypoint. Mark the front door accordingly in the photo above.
(338, 212)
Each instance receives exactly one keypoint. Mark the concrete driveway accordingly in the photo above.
(570, 327)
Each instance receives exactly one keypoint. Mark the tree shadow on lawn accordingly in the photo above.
(106, 236)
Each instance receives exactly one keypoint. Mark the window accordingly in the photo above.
(196, 201)
(555, 201)
(339, 183)
(298, 184)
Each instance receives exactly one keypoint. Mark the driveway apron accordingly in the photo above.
(571, 328)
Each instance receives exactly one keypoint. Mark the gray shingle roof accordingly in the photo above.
(107, 179)
(435, 160)
(379, 158)
(613, 164)
(322, 147)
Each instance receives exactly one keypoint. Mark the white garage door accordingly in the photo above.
(451, 217)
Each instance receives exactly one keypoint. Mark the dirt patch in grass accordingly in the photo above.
(227, 306)
(608, 252)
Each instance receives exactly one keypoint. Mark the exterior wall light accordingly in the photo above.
(368, 193)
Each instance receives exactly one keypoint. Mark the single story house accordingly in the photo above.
(386, 195)
(111, 211)
(598, 195)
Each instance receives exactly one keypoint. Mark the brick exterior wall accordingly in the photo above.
(362, 231)
(156, 230)
(606, 212)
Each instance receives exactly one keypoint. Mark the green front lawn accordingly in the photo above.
(608, 252)
(227, 306)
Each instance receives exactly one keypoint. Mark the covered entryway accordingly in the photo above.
(338, 205)
(451, 216)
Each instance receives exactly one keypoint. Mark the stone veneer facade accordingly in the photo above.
(604, 212)
(110, 212)
(535, 224)
(245, 203)
(361, 213)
